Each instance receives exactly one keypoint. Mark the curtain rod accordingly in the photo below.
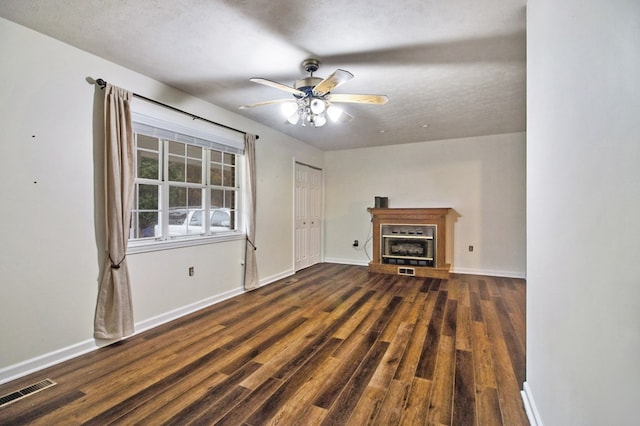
(102, 83)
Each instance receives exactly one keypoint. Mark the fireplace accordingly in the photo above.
(410, 241)
(408, 244)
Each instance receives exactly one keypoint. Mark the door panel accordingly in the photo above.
(314, 204)
(308, 216)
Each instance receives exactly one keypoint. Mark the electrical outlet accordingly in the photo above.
(356, 243)
(192, 271)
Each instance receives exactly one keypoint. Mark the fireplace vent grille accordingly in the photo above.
(407, 271)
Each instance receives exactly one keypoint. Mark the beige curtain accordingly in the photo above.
(250, 265)
(114, 310)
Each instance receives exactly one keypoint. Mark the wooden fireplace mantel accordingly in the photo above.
(436, 217)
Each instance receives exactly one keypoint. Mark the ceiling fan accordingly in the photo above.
(312, 98)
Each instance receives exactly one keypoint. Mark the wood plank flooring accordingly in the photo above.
(331, 345)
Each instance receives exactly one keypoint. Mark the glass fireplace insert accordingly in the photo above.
(407, 244)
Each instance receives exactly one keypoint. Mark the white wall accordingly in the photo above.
(481, 178)
(51, 217)
(583, 198)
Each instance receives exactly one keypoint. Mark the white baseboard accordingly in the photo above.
(347, 261)
(276, 277)
(488, 272)
(32, 365)
(530, 406)
(185, 310)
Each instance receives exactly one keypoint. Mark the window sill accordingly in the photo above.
(144, 247)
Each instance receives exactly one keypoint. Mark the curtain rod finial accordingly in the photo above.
(100, 82)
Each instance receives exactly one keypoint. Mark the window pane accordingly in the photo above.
(230, 159)
(217, 198)
(216, 156)
(177, 197)
(194, 151)
(195, 224)
(197, 218)
(147, 224)
(230, 199)
(147, 142)
(176, 169)
(185, 211)
(220, 218)
(177, 217)
(147, 197)
(148, 165)
(185, 222)
(216, 174)
(144, 217)
(178, 222)
(194, 198)
(229, 176)
(221, 198)
(176, 148)
(194, 171)
(220, 221)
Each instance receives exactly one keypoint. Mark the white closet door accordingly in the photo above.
(301, 231)
(314, 214)
(308, 216)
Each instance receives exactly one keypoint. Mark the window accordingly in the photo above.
(186, 186)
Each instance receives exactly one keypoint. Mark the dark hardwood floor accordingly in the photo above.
(330, 345)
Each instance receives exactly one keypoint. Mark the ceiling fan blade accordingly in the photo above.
(259, 104)
(334, 80)
(358, 99)
(277, 85)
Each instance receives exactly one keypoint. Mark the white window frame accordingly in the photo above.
(171, 125)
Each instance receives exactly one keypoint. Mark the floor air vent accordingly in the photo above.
(407, 271)
(24, 392)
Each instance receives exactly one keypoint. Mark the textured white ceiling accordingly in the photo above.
(455, 66)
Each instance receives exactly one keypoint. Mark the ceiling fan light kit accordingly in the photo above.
(313, 101)
(310, 111)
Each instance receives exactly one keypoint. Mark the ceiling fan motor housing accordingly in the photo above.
(307, 84)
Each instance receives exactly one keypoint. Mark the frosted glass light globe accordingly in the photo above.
(318, 106)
